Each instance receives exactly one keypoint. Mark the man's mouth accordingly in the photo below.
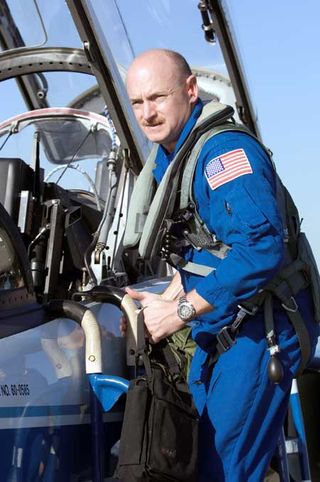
(152, 125)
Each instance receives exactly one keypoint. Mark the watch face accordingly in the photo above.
(185, 311)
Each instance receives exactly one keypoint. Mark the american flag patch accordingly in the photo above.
(227, 167)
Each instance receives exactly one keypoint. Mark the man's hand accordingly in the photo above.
(144, 297)
(160, 315)
(160, 311)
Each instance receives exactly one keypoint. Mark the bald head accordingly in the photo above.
(163, 91)
(169, 59)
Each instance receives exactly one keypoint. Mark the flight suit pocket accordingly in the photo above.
(241, 204)
(245, 216)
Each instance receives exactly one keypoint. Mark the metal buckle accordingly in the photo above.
(225, 340)
(251, 312)
(288, 308)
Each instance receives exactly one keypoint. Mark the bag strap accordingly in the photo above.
(144, 351)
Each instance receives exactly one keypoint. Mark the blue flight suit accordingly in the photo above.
(241, 411)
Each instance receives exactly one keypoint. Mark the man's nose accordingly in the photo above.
(149, 110)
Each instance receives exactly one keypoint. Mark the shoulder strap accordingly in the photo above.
(189, 168)
(140, 201)
(200, 232)
(164, 200)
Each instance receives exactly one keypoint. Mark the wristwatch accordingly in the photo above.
(186, 311)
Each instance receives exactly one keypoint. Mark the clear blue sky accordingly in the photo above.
(280, 47)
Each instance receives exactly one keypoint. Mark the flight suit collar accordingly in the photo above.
(163, 157)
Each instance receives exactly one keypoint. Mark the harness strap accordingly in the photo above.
(194, 268)
(288, 283)
(140, 200)
(302, 334)
(202, 239)
(226, 337)
(199, 235)
(190, 166)
(164, 200)
(268, 316)
(298, 324)
(284, 287)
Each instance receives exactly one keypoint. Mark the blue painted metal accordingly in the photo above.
(299, 425)
(108, 389)
(296, 445)
(96, 438)
(282, 459)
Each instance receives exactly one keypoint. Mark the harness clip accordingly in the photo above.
(225, 340)
(248, 311)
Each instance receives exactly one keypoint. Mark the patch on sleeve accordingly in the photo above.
(227, 167)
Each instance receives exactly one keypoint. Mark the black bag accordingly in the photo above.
(159, 438)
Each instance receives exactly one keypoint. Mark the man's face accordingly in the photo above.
(161, 98)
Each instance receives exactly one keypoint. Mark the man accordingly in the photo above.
(234, 190)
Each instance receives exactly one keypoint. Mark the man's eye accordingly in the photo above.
(160, 98)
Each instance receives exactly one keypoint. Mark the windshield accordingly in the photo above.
(65, 136)
(162, 25)
(32, 23)
(117, 30)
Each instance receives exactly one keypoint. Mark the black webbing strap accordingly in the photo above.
(226, 337)
(153, 231)
(303, 337)
(144, 351)
(284, 287)
(289, 282)
(142, 346)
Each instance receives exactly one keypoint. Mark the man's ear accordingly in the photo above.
(192, 88)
